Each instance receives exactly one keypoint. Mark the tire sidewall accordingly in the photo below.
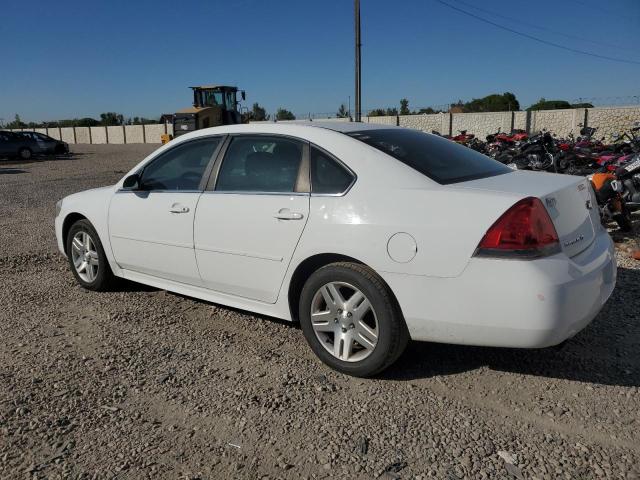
(385, 313)
(103, 265)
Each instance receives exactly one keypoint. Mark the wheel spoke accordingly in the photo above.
(332, 296)
(93, 258)
(338, 345)
(362, 309)
(76, 244)
(86, 241)
(347, 348)
(365, 336)
(355, 300)
(83, 267)
(323, 322)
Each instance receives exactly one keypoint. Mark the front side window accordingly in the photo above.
(260, 164)
(327, 175)
(440, 159)
(181, 168)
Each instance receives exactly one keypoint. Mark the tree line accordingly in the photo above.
(495, 102)
(106, 119)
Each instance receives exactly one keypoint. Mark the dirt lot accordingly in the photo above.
(142, 383)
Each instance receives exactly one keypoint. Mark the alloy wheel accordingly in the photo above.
(344, 321)
(85, 256)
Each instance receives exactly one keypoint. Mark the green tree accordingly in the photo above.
(342, 111)
(377, 112)
(258, 113)
(404, 107)
(17, 123)
(544, 104)
(284, 114)
(111, 118)
(493, 103)
(427, 110)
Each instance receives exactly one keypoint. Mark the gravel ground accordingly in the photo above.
(141, 383)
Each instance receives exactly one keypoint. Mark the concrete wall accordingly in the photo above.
(115, 134)
(134, 133)
(82, 135)
(608, 121)
(101, 135)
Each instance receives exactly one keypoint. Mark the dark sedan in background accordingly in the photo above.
(26, 144)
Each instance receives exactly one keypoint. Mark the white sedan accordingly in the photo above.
(368, 235)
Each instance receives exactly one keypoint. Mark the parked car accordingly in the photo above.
(14, 145)
(46, 145)
(368, 235)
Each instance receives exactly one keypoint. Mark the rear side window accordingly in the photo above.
(327, 175)
(438, 158)
(260, 164)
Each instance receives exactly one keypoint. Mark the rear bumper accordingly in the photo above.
(510, 303)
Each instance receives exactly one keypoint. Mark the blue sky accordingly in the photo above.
(74, 58)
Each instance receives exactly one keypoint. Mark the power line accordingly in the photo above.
(539, 27)
(537, 39)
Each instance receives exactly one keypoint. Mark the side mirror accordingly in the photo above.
(132, 182)
(242, 94)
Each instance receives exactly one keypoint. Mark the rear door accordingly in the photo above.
(248, 224)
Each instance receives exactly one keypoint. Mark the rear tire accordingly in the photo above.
(25, 153)
(87, 259)
(361, 315)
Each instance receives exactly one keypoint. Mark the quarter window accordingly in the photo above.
(327, 175)
(181, 168)
(260, 164)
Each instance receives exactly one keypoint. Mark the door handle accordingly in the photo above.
(285, 214)
(178, 208)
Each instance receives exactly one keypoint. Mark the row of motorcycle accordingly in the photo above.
(613, 168)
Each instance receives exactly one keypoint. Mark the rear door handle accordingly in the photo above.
(285, 214)
(178, 208)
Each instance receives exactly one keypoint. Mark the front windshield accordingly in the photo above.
(211, 98)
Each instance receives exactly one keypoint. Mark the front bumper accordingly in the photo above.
(59, 240)
(510, 303)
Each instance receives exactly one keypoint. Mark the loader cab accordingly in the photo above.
(213, 105)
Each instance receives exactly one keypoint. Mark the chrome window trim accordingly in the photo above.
(130, 190)
(354, 175)
(249, 192)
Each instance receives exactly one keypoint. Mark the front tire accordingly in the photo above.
(351, 320)
(86, 257)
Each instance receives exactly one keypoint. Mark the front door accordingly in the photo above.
(247, 227)
(151, 226)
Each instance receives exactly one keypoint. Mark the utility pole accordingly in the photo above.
(358, 99)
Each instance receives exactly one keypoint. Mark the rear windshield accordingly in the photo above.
(438, 158)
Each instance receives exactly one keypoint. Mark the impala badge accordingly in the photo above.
(551, 202)
(574, 241)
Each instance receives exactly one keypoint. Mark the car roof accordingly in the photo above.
(342, 126)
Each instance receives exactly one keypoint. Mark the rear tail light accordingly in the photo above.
(523, 231)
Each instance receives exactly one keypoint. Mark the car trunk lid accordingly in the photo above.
(567, 199)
